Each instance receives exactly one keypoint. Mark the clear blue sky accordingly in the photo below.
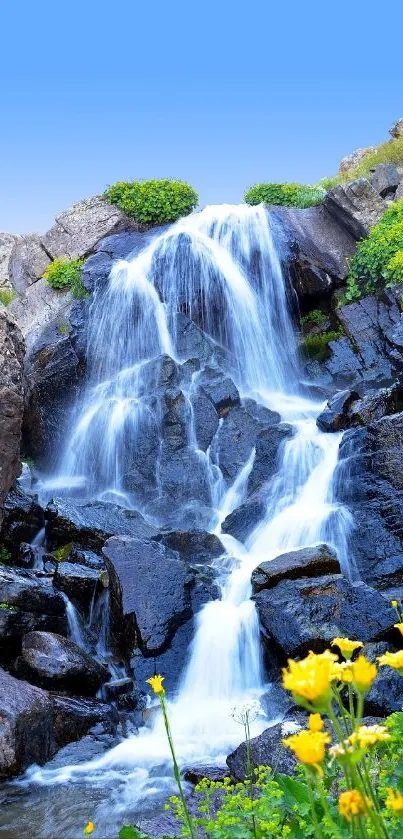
(221, 94)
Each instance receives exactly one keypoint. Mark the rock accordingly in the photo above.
(27, 734)
(184, 477)
(376, 404)
(28, 262)
(77, 581)
(149, 594)
(396, 130)
(205, 418)
(335, 415)
(268, 446)
(350, 161)
(237, 436)
(302, 615)
(23, 519)
(266, 750)
(51, 661)
(87, 558)
(355, 206)
(92, 523)
(385, 178)
(243, 520)
(26, 556)
(40, 305)
(73, 718)
(195, 547)
(78, 229)
(195, 774)
(220, 389)
(7, 243)
(399, 191)
(306, 562)
(11, 403)
(386, 694)
(171, 662)
(27, 603)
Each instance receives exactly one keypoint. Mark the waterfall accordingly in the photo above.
(222, 269)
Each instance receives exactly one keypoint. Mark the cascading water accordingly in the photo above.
(221, 269)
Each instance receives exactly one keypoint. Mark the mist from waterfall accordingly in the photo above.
(222, 268)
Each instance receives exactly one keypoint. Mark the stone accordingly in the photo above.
(87, 558)
(91, 523)
(220, 389)
(23, 519)
(27, 603)
(194, 547)
(73, 718)
(243, 520)
(304, 614)
(195, 774)
(149, 594)
(205, 418)
(386, 694)
(237, 436)
(28, 261)
(51, 661)
(335, 415)
(27, 734)
(306, 562)
(376, 404)
(396, 130)
(267, 750)
(79, 583)
(268, 446)
(78, 229)
(183, 477)
(11, 402)
(350, 161)
(385, 178)
(40, 305)
(7, 243)
(356, 206)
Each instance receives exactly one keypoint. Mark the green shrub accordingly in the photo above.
(66, 273)
(389, 152)
(313, 318)
(317, 346)
(376, 262)
(286, 195)
(6, 296)
(61, 554)
(63, 328)
(153, 202)
(5, 556)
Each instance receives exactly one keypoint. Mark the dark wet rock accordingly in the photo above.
(27, 734)
(183, 476)
(386, 694)
(128, 243)
(197, 547)
(385, 178)
(356, 206)
(237, 436)
(220, 389)
(376, 404)
(23, 518)
(73, 718)
(87, 558)
(51, 661)
(90, 524)
(306, 562)
(243, 520)
(302, 615)
(77, 581)
(171, 662)
(195, 774)
(268, 447)
(277, 702)
(26, 556)
(266, 750)
(192, 342)
(205, 418)
(11, 402)
(335, 415)
(27, 603)
(149, 594)
(121, 691)
(192, 515)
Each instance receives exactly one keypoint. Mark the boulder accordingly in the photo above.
(23, 519)
(376, 404)
(195, 547)
(267, 749)
(303, 614)
(87, 558)
(396, 130)
(245, 518)
(335, 415)
(385, 178)
(356, 206)
(7, 243)
(350, 161)
(268, 446)
(11, 403)
(220, 389)
(40, 305)
(91, 523)
(73, 718)
(27, 603)
(237, 436)
(78, 229)
(28, 262)
(27, 734)
(51, 661)
(79, 582)
(386, 694)
(305, 562)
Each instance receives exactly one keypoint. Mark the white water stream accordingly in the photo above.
(222, 267)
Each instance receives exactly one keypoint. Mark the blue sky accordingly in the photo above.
(221, 94)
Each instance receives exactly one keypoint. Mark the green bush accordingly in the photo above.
(378, 260)
(153, 202)
(5, 556)
(6, 296)
(389, 152)
(286, 195)
(317, 346)
(313, 318)
(66, 273)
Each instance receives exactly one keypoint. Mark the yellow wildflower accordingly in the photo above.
(89, 828)
(394, 800)
(369, 735)
(156, 684)
(309, 679)
(394, 604)
(352, 803)
(309, 747)
(399, 626)
(346, 647)
(315, 722)
(364, 674)
(341, 672)
(394, 660)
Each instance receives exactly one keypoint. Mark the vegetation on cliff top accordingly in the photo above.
(389, 152)
(153, 202)
(378, 260)
(286, 195)
(66, 273)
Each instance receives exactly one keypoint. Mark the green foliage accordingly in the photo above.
(6, 296)
(329, 183)
(130, 832)
(153, 202)
(389, 152)
(63, 329)
(378, 260)
(61, 554)
(313, 318)
(317, 346)
(66, 273)
(286, 195)
(7, 608)
(5, 556)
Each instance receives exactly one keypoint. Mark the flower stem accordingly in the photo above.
(188, 818)
(317, 830)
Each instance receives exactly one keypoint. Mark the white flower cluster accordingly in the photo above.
(246, 712)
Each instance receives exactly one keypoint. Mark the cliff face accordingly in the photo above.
(11, 402)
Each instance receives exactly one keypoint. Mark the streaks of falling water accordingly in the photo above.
(221, 267)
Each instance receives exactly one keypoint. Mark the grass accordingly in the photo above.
(6, 296)
(61, 554)
(317, 346)
(389, 152)
(313, 318)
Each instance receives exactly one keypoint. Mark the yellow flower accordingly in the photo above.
(399, 626)
(309, 679)
(364, 674)
(89, 828)
(369, 735)
(315, 722)
(346, 647)
(394, 604)
(309, 747)
(351, 803)
(394, 800)
(394, 660)
(156, 684)
(342, 672)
